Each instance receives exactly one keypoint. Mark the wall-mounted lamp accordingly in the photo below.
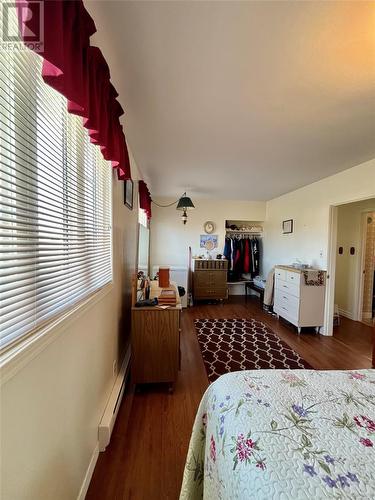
(184, 204)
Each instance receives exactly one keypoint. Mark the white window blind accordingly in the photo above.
(55, 202)
(142, 217)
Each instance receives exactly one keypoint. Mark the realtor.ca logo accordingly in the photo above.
(22, 26)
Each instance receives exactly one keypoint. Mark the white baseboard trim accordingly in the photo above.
(89, 473)
(346, 314)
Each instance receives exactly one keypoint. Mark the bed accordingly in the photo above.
(280, 434)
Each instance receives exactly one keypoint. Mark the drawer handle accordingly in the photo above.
(292, 277)
(285, 286)
(286, 298)
(285, 309)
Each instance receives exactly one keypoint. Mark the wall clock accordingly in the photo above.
(209, 227)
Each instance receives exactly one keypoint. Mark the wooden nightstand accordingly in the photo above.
(155, 341)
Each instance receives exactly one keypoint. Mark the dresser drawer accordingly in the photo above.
(287, 303)
(218, 279)
(203, 278)
(284, 312)
(210, 279)
(289, 287)
(280, 274)
(210, 293)
(292, 277)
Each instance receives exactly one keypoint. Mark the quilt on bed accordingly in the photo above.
(272, 434)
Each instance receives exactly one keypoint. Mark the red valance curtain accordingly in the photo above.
(144, 198)
(78, 71)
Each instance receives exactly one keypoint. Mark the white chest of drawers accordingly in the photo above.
(300, 304)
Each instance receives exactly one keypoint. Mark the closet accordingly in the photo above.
(243, 250)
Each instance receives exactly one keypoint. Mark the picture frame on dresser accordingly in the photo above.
(287, 226)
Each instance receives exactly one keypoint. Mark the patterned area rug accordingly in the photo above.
(229, 345)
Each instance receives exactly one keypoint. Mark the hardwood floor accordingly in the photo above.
(146, 456)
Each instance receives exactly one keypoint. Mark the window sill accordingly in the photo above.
(14, 359)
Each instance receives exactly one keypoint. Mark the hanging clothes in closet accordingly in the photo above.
(255, 257)
(243, 254)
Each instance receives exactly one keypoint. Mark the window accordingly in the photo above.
(55, 205)
(142, 217)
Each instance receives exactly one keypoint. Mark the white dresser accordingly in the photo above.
(299, 303)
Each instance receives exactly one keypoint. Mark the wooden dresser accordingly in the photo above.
(155, 341)
(210, 279)
(299, 303)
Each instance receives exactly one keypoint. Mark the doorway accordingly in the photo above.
(367, 311)
(354, 267)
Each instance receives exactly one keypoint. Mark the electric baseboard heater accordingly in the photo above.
(110, 414)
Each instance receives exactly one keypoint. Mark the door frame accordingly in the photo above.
(363, 263)
(331, 266)
(361, 270)
(331, 271)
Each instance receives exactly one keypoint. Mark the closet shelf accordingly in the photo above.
(239, 231)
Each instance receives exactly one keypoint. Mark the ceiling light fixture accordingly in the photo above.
(184, 204)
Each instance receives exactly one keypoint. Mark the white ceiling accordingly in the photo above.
(241, 100)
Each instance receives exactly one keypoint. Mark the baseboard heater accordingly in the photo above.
(110, 414)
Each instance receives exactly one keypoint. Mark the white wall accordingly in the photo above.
(51, 408)
(309, 208)
(348, 267)
(170, 238)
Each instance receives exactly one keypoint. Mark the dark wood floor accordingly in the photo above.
(146, 456)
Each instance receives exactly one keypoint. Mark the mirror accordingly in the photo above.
(143, 249)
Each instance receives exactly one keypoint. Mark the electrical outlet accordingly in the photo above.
(114, 367)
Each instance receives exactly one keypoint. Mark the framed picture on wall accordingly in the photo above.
(287, 226)
(209, 241)
(128, 193)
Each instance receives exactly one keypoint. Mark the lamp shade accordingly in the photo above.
(185, 203)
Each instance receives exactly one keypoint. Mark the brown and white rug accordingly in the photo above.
(229, 345)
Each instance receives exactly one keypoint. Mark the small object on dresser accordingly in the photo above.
(147, 303)
(147, 288)
(167, 298)
(164, 277)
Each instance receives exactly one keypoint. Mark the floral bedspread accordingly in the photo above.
(280, 434)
